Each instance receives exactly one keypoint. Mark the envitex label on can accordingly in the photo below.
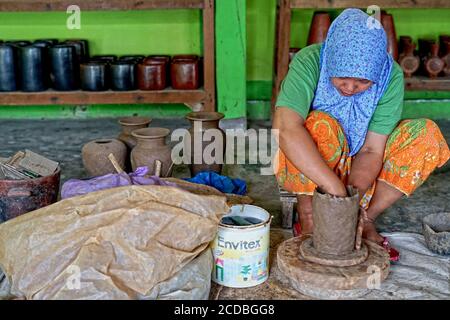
(241, 256)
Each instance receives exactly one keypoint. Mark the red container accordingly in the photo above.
(185, 72)
(152, 75)
(21, 196)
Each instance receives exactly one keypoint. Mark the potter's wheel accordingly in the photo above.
(332, 282)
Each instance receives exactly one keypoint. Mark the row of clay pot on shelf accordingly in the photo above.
(138, 145)
(67, 66)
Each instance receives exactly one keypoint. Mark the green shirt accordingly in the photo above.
(297, 90)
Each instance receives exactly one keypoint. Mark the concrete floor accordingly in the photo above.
(62, 140)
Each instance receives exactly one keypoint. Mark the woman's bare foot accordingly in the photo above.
(304, 211)
(370, 232)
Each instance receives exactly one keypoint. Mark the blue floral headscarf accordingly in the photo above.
(355, 47)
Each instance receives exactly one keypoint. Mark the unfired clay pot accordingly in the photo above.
(200, 122)
(151, 146)
(318, 30)
(129, 124)
(95, 156)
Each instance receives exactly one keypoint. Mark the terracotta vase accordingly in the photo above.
(185, 72)
(95, 156)
(387, 20)
(318, 30)
(292, 53)
(129, 124)
(200, 122)
(408, 61)
(433, 64)
(152, 75)
(151, 146)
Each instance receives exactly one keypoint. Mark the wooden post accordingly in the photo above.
(209, 76)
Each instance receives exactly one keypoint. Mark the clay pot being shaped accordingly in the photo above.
(93, 76)
(335, 222)
(95, 156)
(200, 123)
(64, 68)
(129, 124)
(151, 146)
(318, 30)
(123, 75)
(408, 61)
(433, 64)
(292, 53)
(152, 75)
(185, 72)
(8, 68)
(387, 20)
(31, 66)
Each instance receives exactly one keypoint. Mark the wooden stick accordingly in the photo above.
(115, 163)
(158, 166)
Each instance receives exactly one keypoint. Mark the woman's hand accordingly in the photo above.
(299, 147)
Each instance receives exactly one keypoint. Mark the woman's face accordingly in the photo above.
(349, 86)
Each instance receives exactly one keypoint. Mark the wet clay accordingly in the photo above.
(335, 222)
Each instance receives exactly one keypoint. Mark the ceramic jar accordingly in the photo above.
(123, 75)
(129, 124)
(200, 123)
(151, 75)
(433, 63)
(8, 68)
(387, 20)
(151, 146)
(318, 30)
(95, 156)
(185, 72)
(64, 71)
(31, 66)
(408, 61)
(94, 76)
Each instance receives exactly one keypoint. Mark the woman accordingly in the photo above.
(338, 116)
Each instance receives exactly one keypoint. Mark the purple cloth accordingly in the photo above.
(76, 187)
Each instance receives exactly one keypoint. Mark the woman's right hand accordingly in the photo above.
(335, 187)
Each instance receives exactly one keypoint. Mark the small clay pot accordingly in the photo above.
(387, 20)
(318, 30)
(408, 61)
(93, 76)
(8, 68)
(185, 73)
(123, 75)
(31, 66)
(292, 53)
(152, 75)
(433, 64)
(95, 156)
(436, 230)
(129, 124)
(200, 123)
(151, 146)
(64, 68)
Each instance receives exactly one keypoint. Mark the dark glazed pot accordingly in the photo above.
(94, 76)
(443, 39)
(152, 75)
(433, 64)
(45, 45)
(52, 42)
(21, 196)
(31, 66)
(137, 58)
(446, 58)
(8, 68)
(129, 124)
(123, 75)
(403, 43)
(318, 30)
(104, 58)
(81, 48)
(185, 72)
(387, 20)
(151, 146)
(200, 122)
(64, 68)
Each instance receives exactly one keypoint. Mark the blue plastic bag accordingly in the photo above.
(221, 183)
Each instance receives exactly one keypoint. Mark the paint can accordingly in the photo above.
(241, 253)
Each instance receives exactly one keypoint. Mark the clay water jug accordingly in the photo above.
(387, 20)
(151, 146)
(8, 68)
(185, 72)
(318, 30)
(200, 123)
(129, 124)
(433, 63)
(64, 68)
(95, 156)
(408, 61)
